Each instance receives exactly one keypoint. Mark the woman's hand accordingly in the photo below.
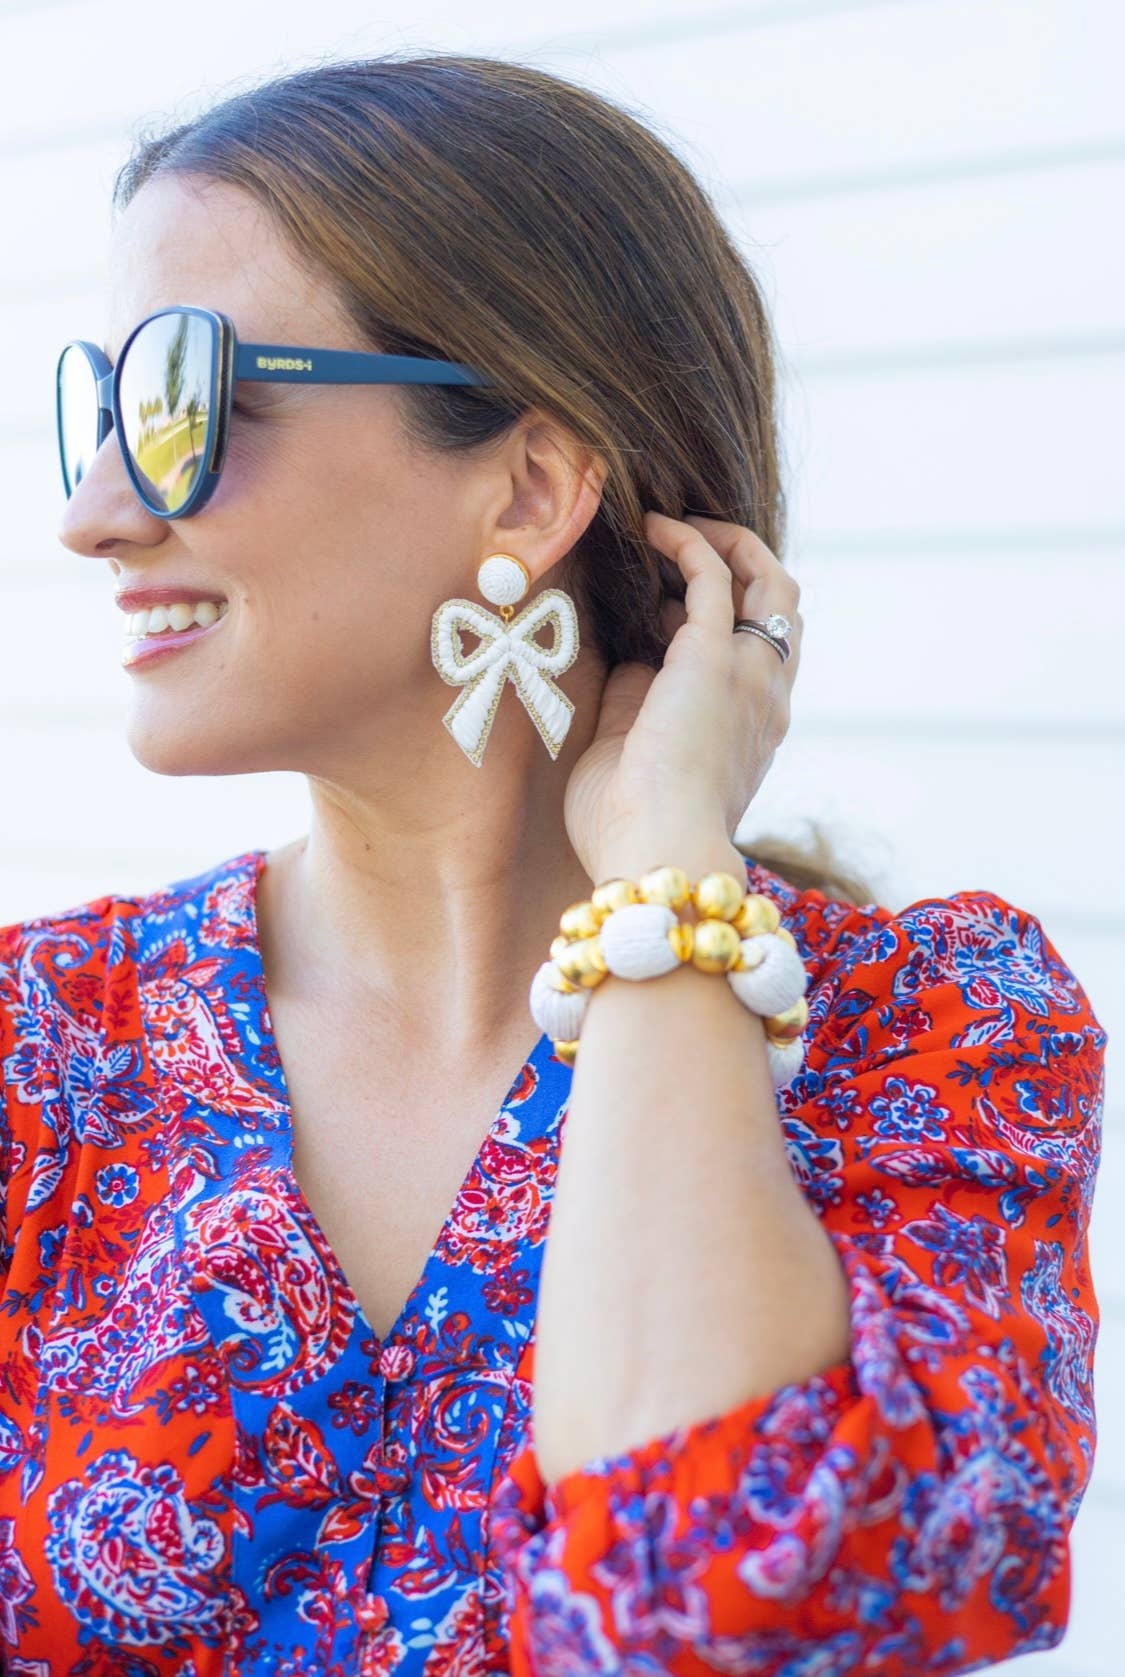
(680, 752)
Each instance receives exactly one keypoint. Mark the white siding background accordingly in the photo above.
(931, 192)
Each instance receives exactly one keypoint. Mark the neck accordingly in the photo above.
(429, 886)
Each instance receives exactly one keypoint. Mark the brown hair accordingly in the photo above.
(491, 213)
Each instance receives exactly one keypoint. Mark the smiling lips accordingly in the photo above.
(176, 616)
(149, 634)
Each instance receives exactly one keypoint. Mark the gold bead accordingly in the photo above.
(583, 963)
(567, 1051)
(558, 980)
(786, 936)
(580, 920)
(668, 885)
(613, 894)
(756, 914)
(718, 896)
(717, 946)
(682, 938)
(787, 1026)
(558, 944)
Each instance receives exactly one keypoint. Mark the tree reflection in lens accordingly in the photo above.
(169, 357)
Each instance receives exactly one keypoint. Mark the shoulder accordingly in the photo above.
(59, 962)
(69, 978)
(54, 965)
(55, 970)
(46, 957)
(971, 980)
(931, 941)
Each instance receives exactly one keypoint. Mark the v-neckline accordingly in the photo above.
(541, 1050)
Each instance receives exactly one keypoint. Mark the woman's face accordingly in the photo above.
(331, 535)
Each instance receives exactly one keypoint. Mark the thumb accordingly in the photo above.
(622, 697)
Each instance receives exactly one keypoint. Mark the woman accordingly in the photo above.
(801, 1378)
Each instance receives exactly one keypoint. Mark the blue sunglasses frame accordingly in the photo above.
(231, 363)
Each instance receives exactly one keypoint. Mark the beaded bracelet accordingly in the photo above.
(630, 929)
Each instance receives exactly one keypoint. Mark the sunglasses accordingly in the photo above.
(169, 398)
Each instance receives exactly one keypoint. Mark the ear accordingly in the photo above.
(544, 489)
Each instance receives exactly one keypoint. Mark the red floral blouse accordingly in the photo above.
(210, 1463)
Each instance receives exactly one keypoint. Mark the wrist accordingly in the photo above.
(697, 850)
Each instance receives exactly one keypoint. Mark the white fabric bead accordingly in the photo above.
(786, 1062)
(634, 941)
(555, 1011)
(777, 982)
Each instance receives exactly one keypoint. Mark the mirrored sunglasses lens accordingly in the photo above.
(77, 416)
(165, 394)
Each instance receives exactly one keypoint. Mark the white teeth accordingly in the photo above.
(177, 617)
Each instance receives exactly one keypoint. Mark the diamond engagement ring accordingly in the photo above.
(774, 629)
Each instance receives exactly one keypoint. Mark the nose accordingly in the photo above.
(104, 512)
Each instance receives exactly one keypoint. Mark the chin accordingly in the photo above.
(182, 748)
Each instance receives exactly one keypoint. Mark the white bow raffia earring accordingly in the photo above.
(507, 653)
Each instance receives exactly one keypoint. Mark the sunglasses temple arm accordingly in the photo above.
(287, 364)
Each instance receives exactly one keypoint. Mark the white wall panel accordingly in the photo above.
(231, 46)
(928, 77)
(898, 86)
(961, 448)
(999, 257)
(61, 249)
(962, 809)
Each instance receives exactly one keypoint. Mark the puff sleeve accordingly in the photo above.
(907, 1510)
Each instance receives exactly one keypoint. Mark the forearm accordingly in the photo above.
(685, 1271)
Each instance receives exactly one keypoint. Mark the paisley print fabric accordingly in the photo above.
(210, 1463)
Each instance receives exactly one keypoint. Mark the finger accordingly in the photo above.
(760, 582)
(707, 599)
(752, 563)
(744, 551)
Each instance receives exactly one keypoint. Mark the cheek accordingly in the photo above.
(336, 548)
(276, 500)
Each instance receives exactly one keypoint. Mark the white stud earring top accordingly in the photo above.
(503, 580)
